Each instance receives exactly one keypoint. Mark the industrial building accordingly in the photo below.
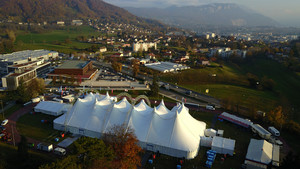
(76, 68)
(23, 57)
(166, 67)
(24, 72)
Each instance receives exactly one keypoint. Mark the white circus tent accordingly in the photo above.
(173, 132)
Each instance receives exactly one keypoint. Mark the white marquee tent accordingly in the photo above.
(223, 145)
(173, 132)
(52, 108)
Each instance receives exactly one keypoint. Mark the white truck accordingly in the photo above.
(263, 133)
(45, 147)
(274, 131)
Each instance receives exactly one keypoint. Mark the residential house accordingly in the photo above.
(150, 56)
(60, 23)
(103, 49)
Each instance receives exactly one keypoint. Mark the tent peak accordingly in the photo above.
(162, 102)
(124, 99)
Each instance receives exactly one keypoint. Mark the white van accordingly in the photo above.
(4, 122)
(59, 151)
(210, 107)
(274, 131)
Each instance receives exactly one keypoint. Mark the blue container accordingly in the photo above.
(178, 166)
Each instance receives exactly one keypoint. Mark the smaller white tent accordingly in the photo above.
(210, 132)
(52, 108)
(261, 153)
(223, 145)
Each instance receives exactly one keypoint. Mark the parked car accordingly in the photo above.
(4, 122)
(60, 151)
(2, 135)
(274, 131)
(210, 107)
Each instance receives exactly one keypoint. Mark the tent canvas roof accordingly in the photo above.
(50, 106)
(260, 151)
(175, 129)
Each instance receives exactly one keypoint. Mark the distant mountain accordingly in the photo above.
(54, 10)
(218, 14)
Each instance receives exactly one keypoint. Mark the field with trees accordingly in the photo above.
(262, 84)
(62, 40)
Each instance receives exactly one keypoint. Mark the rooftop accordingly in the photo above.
(73, 64)
(25, 54)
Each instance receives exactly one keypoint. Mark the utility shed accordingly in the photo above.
(52, 108)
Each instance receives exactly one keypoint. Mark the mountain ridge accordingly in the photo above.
(226, 14)
(55, 10)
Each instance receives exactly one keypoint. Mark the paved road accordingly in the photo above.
(181, 97)
(12, 127)
(199, 98)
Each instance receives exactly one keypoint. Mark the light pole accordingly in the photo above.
(2, 109)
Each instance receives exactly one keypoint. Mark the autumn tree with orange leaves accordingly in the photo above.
(276, 117)
(124, 143)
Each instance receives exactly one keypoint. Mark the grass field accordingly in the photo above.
(231, 83)
(30, 125)
(49, 39)
(9, 111)
(262, 100)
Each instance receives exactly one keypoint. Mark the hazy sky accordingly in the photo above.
(286, 12)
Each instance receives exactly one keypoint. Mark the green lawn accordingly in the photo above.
(10, 111)
(231, 83)
(31, 126)
(262, 100)
(47, 40)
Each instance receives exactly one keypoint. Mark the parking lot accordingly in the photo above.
(108, 79)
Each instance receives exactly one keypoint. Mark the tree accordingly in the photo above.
(91, 151)
(70, 162)
(37, 87)
(11, 35)
(125, 145)
(276, 117)
(116, 66)
(253, 80)
(154, 87)
(135, 67)
(267, 84)
(86, 153)
(22, 94)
